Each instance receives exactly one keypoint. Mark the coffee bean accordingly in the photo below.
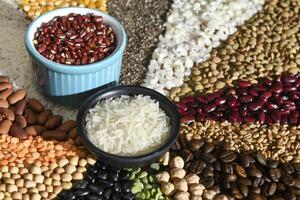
(273, 163)
(275, 174)
(269, 189)
(240, 171)
(288, 168)
(244, 190)
(253, 171)
(287, 179)
(207, 181)
(247, 160)
(261, 159)
(228, 156)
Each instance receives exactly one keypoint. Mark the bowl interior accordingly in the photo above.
(165, 104)
(107, 19)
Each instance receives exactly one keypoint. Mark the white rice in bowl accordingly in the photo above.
(128, 126)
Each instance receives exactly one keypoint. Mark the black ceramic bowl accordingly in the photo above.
(124, 161)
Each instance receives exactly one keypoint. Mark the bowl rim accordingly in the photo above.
(75, 69)
(131, 161)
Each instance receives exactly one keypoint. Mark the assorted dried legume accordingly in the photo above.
(193, 28)
(211, 159)
(75, 39)
(277, 142)
(267, 45)
(269, 101)
(40, 180)
(245, 175)
(101, 182)
(34, 8)
(23, 118)
(144, 185)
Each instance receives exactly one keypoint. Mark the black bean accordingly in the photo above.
(126, 186)
(128, 196)
(94, 197)
(107, 193)
(123, 175)
(117, 187)
(80, 184)
(81, 192)
(93, 188)
(105, 184)
(102, 175)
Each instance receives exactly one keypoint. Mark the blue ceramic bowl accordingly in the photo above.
(73, 83)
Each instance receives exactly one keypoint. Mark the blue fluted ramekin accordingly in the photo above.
(64, 83)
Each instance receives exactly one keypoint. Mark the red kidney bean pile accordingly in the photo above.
(269, 101)
(21, 117)
(75, 39)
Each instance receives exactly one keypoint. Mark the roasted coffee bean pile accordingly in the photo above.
(266, 45)
(75, 39)
(269, 101)
(277, 142)
(101, 182)
(21, 117)
(247, 175)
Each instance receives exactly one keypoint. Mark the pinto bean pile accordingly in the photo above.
(21, 117)
(75, 39)
(269, 101)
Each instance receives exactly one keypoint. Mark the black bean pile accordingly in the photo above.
(101, 182)
(247, 175)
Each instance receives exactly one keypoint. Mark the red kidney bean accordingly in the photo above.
(210, 107)
(266, 94)
(187, 119)
(246, 99)
(269, 101)
(72, 33)
(244, 84)
(261, 116)
(290, 79)
(271, 106)
(231, 101)
(201, 99)
(277, 88)
(188, 100)
(276, 116)
(220, 101)
(242, 91)
(213, 96)
(249, 119)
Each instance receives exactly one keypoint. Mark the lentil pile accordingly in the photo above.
(75, 39)
(269, 101)
(34, 8)
(267, 45)
(143, 22)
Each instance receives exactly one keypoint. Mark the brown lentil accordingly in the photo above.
(266, 45)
